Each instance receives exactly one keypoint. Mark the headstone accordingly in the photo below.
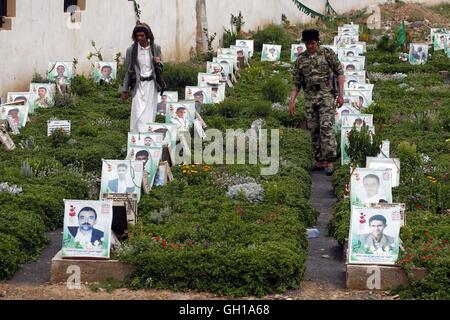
(58, 124)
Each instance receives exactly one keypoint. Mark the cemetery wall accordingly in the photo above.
(41, 31)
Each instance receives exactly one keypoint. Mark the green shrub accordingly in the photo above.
(178, 76)
(82, 86)
(11, 255)
(271, 34)
(276, 89)
(362, 144)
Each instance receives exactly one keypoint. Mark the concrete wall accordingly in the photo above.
(40, 31)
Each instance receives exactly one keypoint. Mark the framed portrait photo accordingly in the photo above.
(226, 63)
(345, 40)
(369, 186)
(19, 98)
(198, 94)
(206, 79)
(247, 43)
(145, 139)
(296, 50)
(218, 92)
(345, 110)
(169, 132)
(349, 29)
(418, 53)
(60, 72)
(374, 235)
(217, 68)
(87, 229)
(386, 163)
(105, 72)
(16, 115)
(348, 120)
(150, 156)
(364, 96)
(271, 52)
(121, 176)
(182, 115)
(354, 78)
(161, 177)
(167, 97)
(232, 59)
(353, 64)
(242, 53)
(439, 41)
(43, 95)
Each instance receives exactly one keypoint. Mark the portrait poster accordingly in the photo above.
(199, 128)
(246, 43)
(182, 115)
(369, 186)
(352, 78)
(145, 139)
(345, 110)
(271, 52)
(355, 101)
(218, 92)
(342, 41)
(332, 47)
(439, 41)
(226, 63)
(357, 119)
(346, 53)
(374, 235)
(418, 53)
(87, 229)
(232, 52)
(437, 30)
(42, 97)
(386, 163)
(352, 65)
(20, 98)
(359, 47)
(150, 156)
(121, 176)
(296, 50)
(217, 68)
(232, 59)
(198, 94)
(167, 97)
(60, 72)
(169, 132)
(364, 96)
(242, 53)
(161, 177)
(350, 30)
(105, 72)
(16, 115)
(345, 131)
(205, 79)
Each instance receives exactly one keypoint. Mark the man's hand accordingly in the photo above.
(157, 60)
(340, 101)
(124, 96)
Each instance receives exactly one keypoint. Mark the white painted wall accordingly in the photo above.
(40, 34)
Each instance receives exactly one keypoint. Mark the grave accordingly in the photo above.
(90, 270)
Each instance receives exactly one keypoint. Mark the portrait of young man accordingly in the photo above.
(120, 184)
(377, 239)
(42, 101)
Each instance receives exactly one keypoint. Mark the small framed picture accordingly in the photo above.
(105, 72)
(375, 234)
(247, 43)
(198, 94)
(418, 53)
(182, 115)
(60, 72)
(369, 186)
(271, 52)
(122, 176)
(161, 178)
(169, 132)
(296, 50)
(386, 163)
(43, 95)
(87, 229)
(16, 115)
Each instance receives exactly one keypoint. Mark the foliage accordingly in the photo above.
(362, 144)
(178, 76)
(276, 89)
(209, 40)
(272, 34)
(387, 43)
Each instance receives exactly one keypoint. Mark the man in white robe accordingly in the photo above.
(140, 65)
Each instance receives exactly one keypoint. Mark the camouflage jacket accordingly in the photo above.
(316, 69)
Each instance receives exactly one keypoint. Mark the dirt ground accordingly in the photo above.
(411, 12)
(308, 291)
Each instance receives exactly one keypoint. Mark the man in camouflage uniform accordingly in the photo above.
(313, 72)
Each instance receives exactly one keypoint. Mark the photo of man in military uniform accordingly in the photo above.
(314, 71)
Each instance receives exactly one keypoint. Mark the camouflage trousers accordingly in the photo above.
(320, 112)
